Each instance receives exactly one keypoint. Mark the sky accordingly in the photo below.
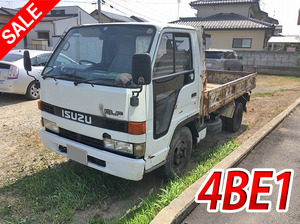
(286, 12)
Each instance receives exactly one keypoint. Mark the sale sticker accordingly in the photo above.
(236, 189)
(26, 19)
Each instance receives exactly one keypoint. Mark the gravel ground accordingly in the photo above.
(22, 152)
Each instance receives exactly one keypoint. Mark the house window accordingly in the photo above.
(58, 12)
(44, 35)
(242, 43)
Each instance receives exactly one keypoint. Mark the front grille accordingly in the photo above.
(96, 143)
(93, 142)
(48, 108)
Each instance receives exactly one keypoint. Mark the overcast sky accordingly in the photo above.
(285, 11)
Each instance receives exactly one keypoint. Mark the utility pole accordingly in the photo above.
(178, 8)
(99, 11)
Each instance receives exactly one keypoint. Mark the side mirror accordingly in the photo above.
(141, 69)
(27, 62)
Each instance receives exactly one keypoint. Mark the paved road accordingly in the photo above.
(279, 150)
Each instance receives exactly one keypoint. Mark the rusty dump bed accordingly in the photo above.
(224, 86)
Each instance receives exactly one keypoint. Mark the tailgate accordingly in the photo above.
(225, 86)
(4, 69)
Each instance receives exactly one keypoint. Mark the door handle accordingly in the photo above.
(193, 95)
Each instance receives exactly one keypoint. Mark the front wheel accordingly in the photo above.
(179, 154)
(32, 93)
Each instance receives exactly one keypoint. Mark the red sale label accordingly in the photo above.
(23, 22)
(241, 190)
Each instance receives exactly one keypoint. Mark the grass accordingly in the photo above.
(294, 78)
(262, 94)
(152, 204)
(54, 195)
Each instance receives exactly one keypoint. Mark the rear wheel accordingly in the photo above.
(179, 154)
(233, 124)
(32, 93)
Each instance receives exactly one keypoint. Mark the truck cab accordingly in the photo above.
(129, 98)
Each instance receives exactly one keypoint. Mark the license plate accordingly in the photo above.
(76, 154)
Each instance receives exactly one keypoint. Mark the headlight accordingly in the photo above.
(118, 146)
(50, 125)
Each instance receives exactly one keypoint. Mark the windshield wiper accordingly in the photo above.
(50, 76)
(71, 75)
(91, 81)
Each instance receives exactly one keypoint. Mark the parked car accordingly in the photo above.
(13, 77)
(218, 59)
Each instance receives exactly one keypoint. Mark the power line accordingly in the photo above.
(133, 11)
(142, 8)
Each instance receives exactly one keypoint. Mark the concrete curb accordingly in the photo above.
(181, 206)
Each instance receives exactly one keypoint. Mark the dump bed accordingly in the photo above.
(225, 86)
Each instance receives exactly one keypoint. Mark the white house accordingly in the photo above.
(46, 34)
(233, 24)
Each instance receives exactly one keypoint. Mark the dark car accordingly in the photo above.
(217, 59)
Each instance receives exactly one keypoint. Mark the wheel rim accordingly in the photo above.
(34, 92)
(180, 153)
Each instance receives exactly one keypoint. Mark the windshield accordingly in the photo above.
(99, 54)
(214, 54)
(12, 57)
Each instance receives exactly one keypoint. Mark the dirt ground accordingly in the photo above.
(22, 152)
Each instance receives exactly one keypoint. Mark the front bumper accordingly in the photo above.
(120, 166)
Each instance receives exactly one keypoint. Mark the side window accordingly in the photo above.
(183, 59)
(173, 57)
(33, 61)
(42, 59)
(174, 54)
(164, 62)
(228, 55)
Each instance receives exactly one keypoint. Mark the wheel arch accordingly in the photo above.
(190, 123)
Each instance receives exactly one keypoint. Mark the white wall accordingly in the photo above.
(62, 26)
(41, 26)
(222, 39)
(59, 27)
(209, 10)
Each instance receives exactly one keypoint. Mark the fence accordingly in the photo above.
(277, 63)
(38, 47)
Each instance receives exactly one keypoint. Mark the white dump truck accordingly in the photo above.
(133, 97)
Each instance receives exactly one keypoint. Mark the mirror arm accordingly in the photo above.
(37, 84)
(134, 100)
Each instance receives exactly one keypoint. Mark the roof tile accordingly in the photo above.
(210, 2)
(224, 21)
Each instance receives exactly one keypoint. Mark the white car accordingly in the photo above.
(223, 59)
(13, 77)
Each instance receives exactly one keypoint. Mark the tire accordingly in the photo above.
(32, 93)
(233, 124)
(179, 154)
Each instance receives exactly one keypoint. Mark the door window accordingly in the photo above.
(172, 71)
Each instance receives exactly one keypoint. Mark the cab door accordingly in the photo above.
(175, 92)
